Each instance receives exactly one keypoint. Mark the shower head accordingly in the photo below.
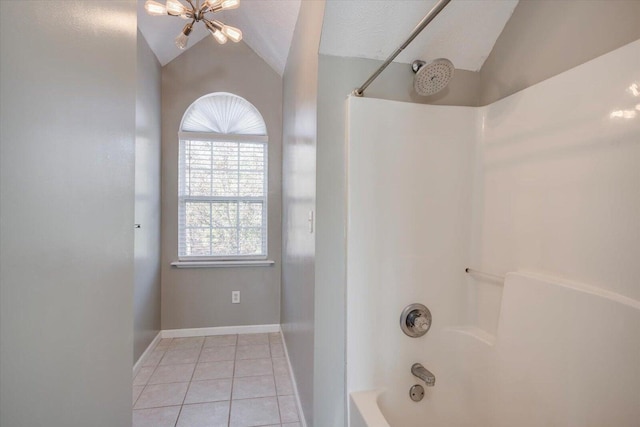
(431, 78)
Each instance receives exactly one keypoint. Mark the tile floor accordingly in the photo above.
(215, 381)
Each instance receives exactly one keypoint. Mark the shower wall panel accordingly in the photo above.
(409, 195)
(558, 177)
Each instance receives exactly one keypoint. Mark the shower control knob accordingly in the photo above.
(415, 320)
(421, 323)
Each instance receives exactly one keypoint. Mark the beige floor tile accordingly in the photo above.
(188, 342)
(284, 386)
(153, 358)
(208, 391)
(254, 351)
(164, 344)
(218, 353)
(277, 350)
(137, 389)
(291, 425)
(280, 366)
(180, 356)
(143, 375)
(157, 395)
(220, 340)
(252, 387)
(213, 370)
(288, 409)
(254, 412)
(252, 339)
(215, 414)
(252, 368)
(275, 337)
(156, 417)
(172, 374)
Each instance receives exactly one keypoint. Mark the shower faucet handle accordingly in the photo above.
(415, 320)
(421, 323)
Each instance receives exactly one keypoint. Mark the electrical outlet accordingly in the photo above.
(235, 297)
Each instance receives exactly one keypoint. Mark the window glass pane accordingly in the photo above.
(251, 184)
(197, 241)
(224, 241)
(251, 214)
(252, 157)
(225, 155)
(197, 214)
(224, 214)
(199, 182)
(250, 241)
(199, 154)
(225, 183)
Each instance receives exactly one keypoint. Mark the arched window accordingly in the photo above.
(222, 189)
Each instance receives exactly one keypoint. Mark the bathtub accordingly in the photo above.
(364, 410)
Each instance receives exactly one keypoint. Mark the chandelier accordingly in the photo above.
(196, 13)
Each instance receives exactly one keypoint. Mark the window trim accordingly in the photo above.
(221, 137)
(225, 260)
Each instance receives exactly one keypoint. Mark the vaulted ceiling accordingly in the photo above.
(464, 32)
(267, 27)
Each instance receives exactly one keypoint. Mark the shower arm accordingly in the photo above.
(421, 25)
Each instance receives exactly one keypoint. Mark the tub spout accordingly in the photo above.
(424, 374)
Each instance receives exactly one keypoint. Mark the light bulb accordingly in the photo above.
(232, 32)
(215, 28)
(213, 3)
(182, 40)
(154, 8)
(175, 8)
(220, 38)
(183, 37)
(230, 4)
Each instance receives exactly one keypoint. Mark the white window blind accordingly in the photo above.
(222, 210)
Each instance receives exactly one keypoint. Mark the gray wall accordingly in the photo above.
(201, 297)
(543, 38)
(299, 173)
(67, 130)
(146, 290)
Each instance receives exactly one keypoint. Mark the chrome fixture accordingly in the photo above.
(424, 374)
(421, 25)
(416, 393)
(196, 12)
(431, 78)
(415, 320)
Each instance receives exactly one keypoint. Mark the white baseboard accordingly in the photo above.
(147, 352)
(303, 420)
(220, 330)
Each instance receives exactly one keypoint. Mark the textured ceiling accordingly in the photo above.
(464, 32)
(267, 27)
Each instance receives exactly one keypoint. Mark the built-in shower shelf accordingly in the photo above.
(478, 333)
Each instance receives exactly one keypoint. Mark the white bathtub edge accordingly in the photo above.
(365, 411)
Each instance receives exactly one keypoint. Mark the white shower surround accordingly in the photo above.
(544, 181)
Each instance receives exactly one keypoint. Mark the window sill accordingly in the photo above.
(215, 264)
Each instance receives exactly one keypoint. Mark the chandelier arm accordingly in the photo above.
(215, 24)
(193, 8)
